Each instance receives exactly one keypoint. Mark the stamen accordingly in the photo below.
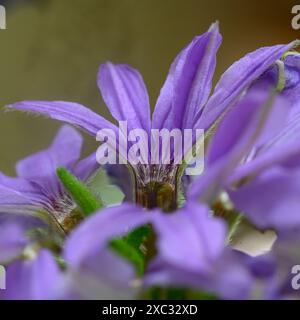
(156, 186)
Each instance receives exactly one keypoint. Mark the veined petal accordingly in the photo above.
(22, 187)
(236, 79)
(39, 169)
(70, 112)
(188, 84)
(9, 196)
(125, 94)
(19, 198)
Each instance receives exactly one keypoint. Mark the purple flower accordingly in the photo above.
(256, 161)
(270, 197)
(192, 252)
(37, 189)
(192, 248)
(259, 118)
(184, 101)
(91, 270)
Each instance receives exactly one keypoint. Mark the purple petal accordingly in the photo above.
(125, 94)
(291, 69)
(260, 118)
(287, 156)
(188, 85)
(192, 253)
(86, 249)
(86, 167)
(281, 149)
(92, 236)
(106, 267)
(40, 168)
(230, 278)
(234, 139)
(64, 151)
(70, 112)
(292, 78)
(271, 200)
(36, 279)
(185, 238)
(227, 279)
(18, 191)
(10, 196)
(285, 253)
(12, 241)
(66, 146)
(236, 79)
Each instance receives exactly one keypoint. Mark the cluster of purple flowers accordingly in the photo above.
(178, 233)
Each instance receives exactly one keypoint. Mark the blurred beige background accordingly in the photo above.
(52, 49)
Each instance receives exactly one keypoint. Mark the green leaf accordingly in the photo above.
(130, 247)
(128, 252)
(80, 192)
(138, 236)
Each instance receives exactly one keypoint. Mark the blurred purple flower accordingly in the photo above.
(91, 270)
(256, 161)
(193, 252)
(37, 189)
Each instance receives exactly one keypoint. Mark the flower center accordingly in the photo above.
(156, 186)
(64, 210)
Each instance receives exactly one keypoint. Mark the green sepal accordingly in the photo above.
(79, 192)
